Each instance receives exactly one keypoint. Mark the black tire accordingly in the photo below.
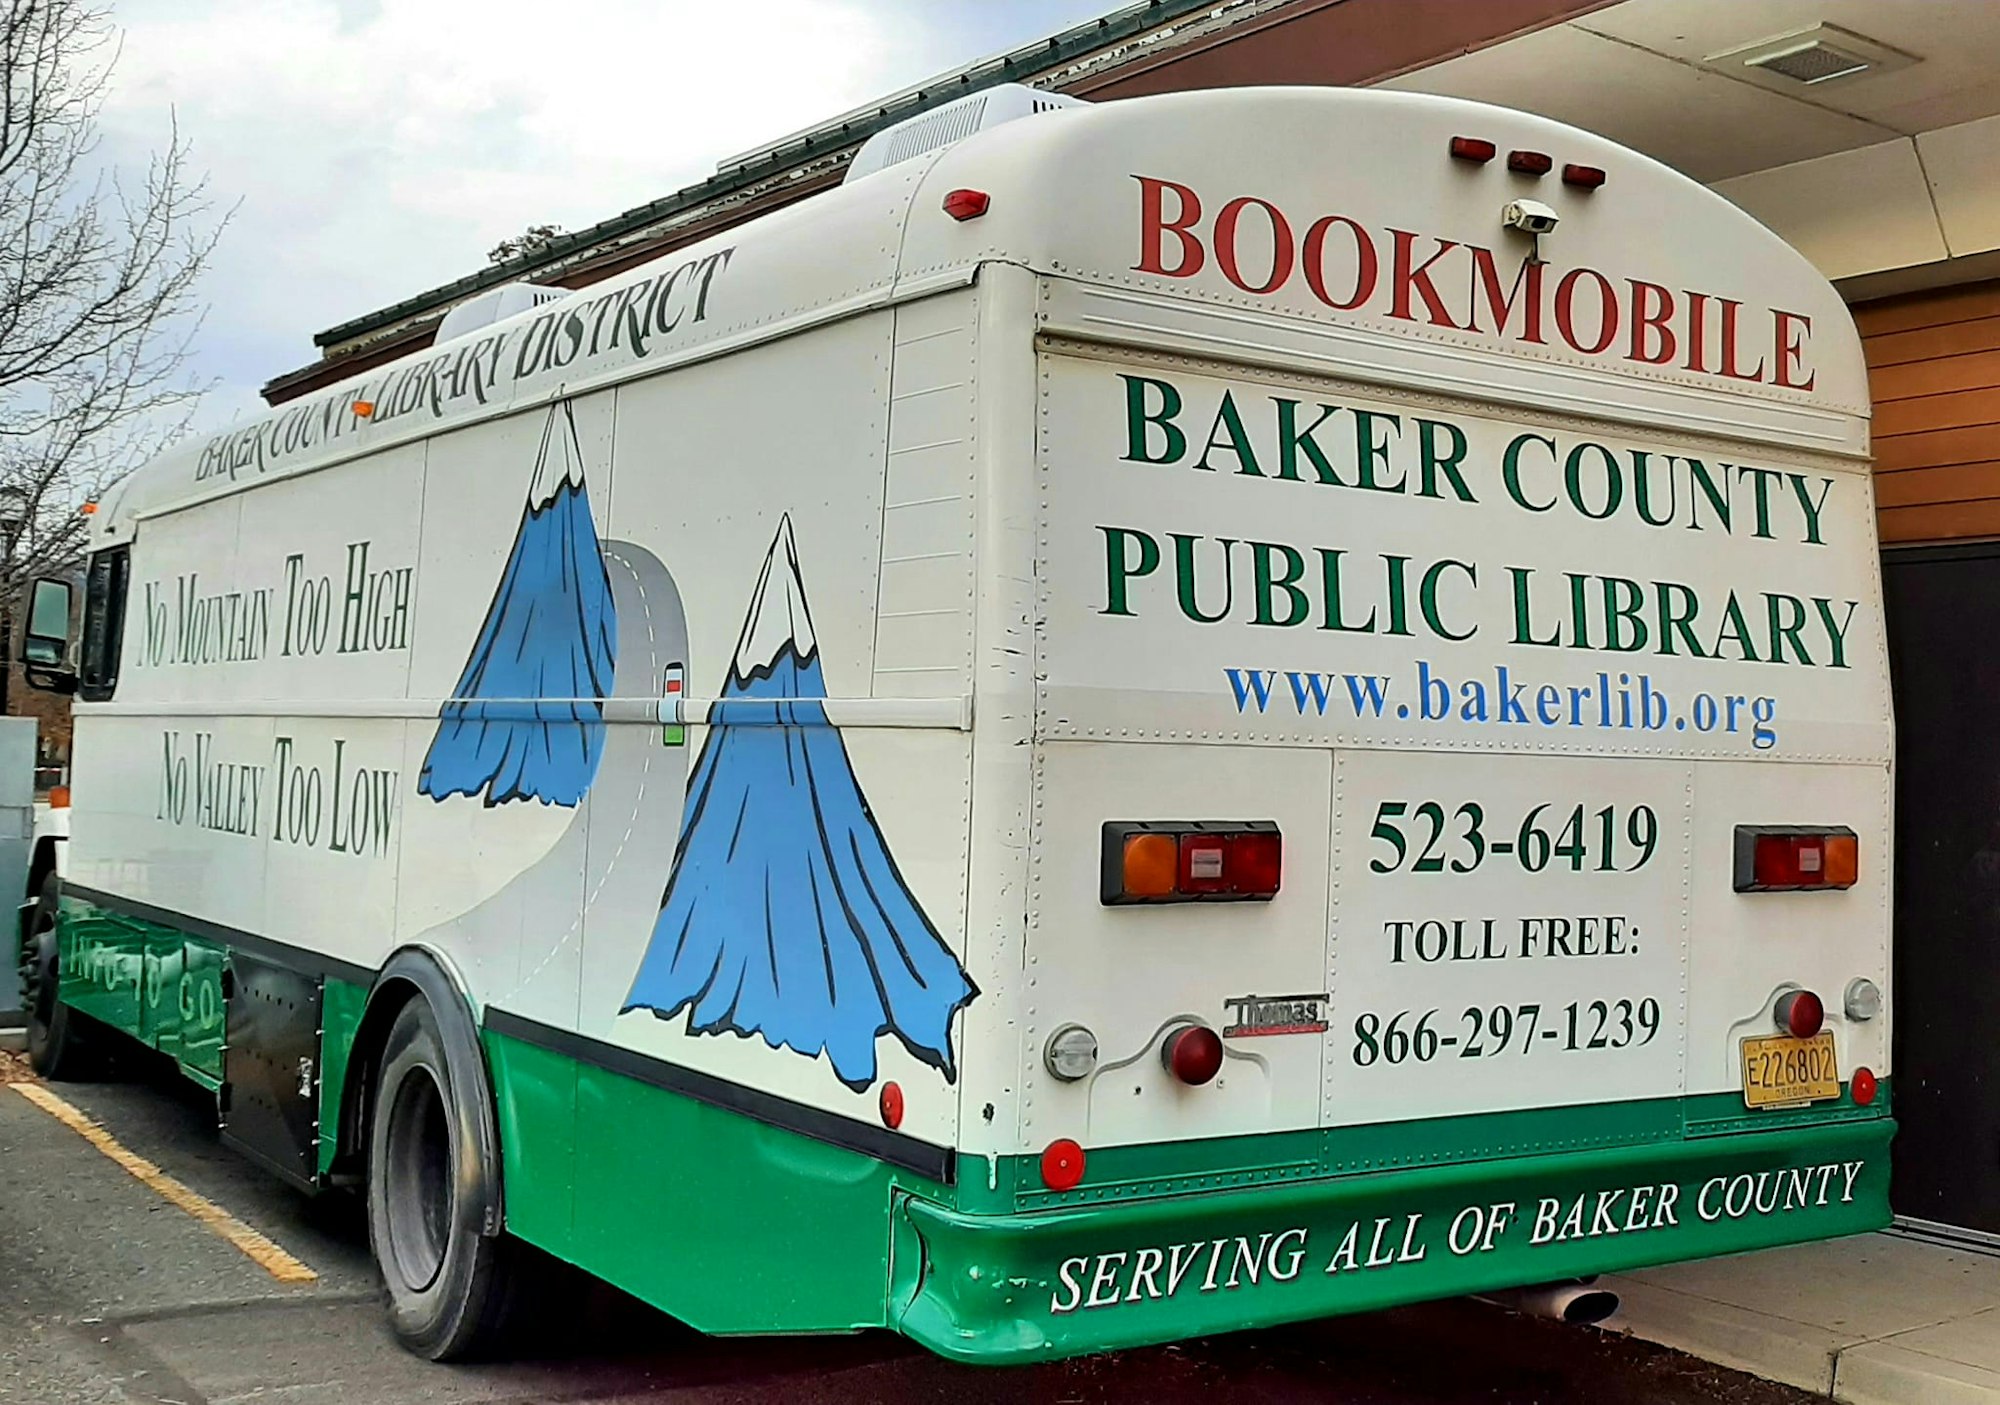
(451, 1285)
(58, 1039)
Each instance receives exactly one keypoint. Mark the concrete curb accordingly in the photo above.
(1953, 1361)
(1793, 1353)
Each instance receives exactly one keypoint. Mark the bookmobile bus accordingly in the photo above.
(1169, 716)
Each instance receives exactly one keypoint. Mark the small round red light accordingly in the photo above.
(1864, 1086)
(1193, 1054)
(966, 204)
(892, 1105)
(1800, 1013)
(1062, 1164)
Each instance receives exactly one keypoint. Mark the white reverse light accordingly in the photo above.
(1071, 1053)
(1863, 1000)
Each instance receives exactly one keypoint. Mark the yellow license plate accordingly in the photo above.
(1782, 1071)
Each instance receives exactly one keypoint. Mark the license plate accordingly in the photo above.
(1782, 1071)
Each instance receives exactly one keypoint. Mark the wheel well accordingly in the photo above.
(41, 864)
(357, 1088)
(416, 974)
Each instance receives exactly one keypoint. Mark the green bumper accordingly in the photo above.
(1030, 1287)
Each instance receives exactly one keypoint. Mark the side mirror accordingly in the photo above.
(46, 641)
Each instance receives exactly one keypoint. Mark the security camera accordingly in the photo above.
(1530, 217)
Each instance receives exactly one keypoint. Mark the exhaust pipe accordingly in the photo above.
(1572, 1300)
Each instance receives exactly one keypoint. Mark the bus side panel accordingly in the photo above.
(779, 526)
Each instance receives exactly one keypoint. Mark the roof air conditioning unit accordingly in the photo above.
(954, 121)
(494, 305)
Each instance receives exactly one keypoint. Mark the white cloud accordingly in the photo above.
(380, 147)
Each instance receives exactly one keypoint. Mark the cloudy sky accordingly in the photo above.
(381, 147)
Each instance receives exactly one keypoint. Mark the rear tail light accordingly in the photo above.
(1782, 858)
(1178, 861)
(1800, 1013)
(1192, 1053)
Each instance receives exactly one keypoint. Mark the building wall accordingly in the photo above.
(1934, 370)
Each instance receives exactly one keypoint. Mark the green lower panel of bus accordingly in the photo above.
(736, 1225)
(1028, 1287)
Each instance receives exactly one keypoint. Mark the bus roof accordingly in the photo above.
(1376, 246)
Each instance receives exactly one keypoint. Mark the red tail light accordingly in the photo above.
(1800, 1013)
(1177, 861)
(1193, 1054)
(1780, 858)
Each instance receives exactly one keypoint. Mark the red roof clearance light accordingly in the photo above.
(965, 205)
(1530, 163)
(1473, 149)
(1786, 858)
(1583, 177)
(1180, 861)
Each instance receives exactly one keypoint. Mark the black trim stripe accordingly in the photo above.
(297, 958)
(940, 1163)
(910, 1153)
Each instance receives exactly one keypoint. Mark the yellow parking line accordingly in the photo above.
(256, 1247)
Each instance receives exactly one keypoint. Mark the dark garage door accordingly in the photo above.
(1944, 658)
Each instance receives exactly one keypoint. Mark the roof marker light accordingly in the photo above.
(1530, 163)
(364, 408)
(1583, 177)
(966, 204)
(1473, 149)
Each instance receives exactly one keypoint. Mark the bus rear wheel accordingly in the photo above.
(451, 1285)
(58, 1047)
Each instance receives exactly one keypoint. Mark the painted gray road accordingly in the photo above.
(110, 1294)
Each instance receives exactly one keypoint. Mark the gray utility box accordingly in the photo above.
(17, 842)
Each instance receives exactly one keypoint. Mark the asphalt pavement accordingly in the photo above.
(111, 1293)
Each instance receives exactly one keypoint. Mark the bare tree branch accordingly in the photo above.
(98, 275)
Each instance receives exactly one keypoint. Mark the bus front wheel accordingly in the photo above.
(57, 1044)
(451, 1283)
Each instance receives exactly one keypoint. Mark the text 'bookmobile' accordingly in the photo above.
(1180, 714)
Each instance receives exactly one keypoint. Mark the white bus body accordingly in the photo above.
(747, 683)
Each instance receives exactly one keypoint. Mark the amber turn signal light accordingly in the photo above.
(1180, 861)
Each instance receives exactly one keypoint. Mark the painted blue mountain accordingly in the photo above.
(785, 916)
(526, 720)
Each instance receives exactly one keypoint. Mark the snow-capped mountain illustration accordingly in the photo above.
(785, 915)
(526, 719)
